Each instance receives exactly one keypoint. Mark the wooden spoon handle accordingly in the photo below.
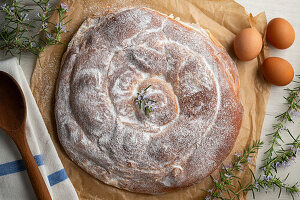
(37, 181)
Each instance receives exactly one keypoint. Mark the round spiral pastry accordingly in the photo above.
(192, 78)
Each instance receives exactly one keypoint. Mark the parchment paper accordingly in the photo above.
(224, 19)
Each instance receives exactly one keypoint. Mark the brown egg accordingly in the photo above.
(277, 71)
(247, 44)
(280, 33)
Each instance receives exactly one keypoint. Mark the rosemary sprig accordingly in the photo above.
(293, 108)
(226, 190)
(19, 34)
(144, 101)
(269, 182)
(284, 157)
(224, 184)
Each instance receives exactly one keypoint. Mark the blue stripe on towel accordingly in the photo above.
(57, 177)
(18, 166)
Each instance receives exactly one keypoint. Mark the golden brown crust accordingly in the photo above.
(192, 78)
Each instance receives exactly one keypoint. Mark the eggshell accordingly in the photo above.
(247, 44)
(280, 33)
(277, 71)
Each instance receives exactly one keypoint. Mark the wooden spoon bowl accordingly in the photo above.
(12, 120)
(12, 104)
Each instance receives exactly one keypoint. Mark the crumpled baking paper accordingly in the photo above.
(224, 19)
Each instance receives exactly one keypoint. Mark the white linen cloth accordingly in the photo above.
(14, 181)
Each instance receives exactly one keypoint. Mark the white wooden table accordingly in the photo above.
(289, 10)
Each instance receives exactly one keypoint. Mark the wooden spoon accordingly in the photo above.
(12, 121)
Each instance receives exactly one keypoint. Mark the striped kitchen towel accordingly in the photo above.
(14, 181)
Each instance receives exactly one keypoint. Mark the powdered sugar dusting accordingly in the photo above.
(105, 132)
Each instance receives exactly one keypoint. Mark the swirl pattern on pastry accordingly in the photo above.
(192, 78)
